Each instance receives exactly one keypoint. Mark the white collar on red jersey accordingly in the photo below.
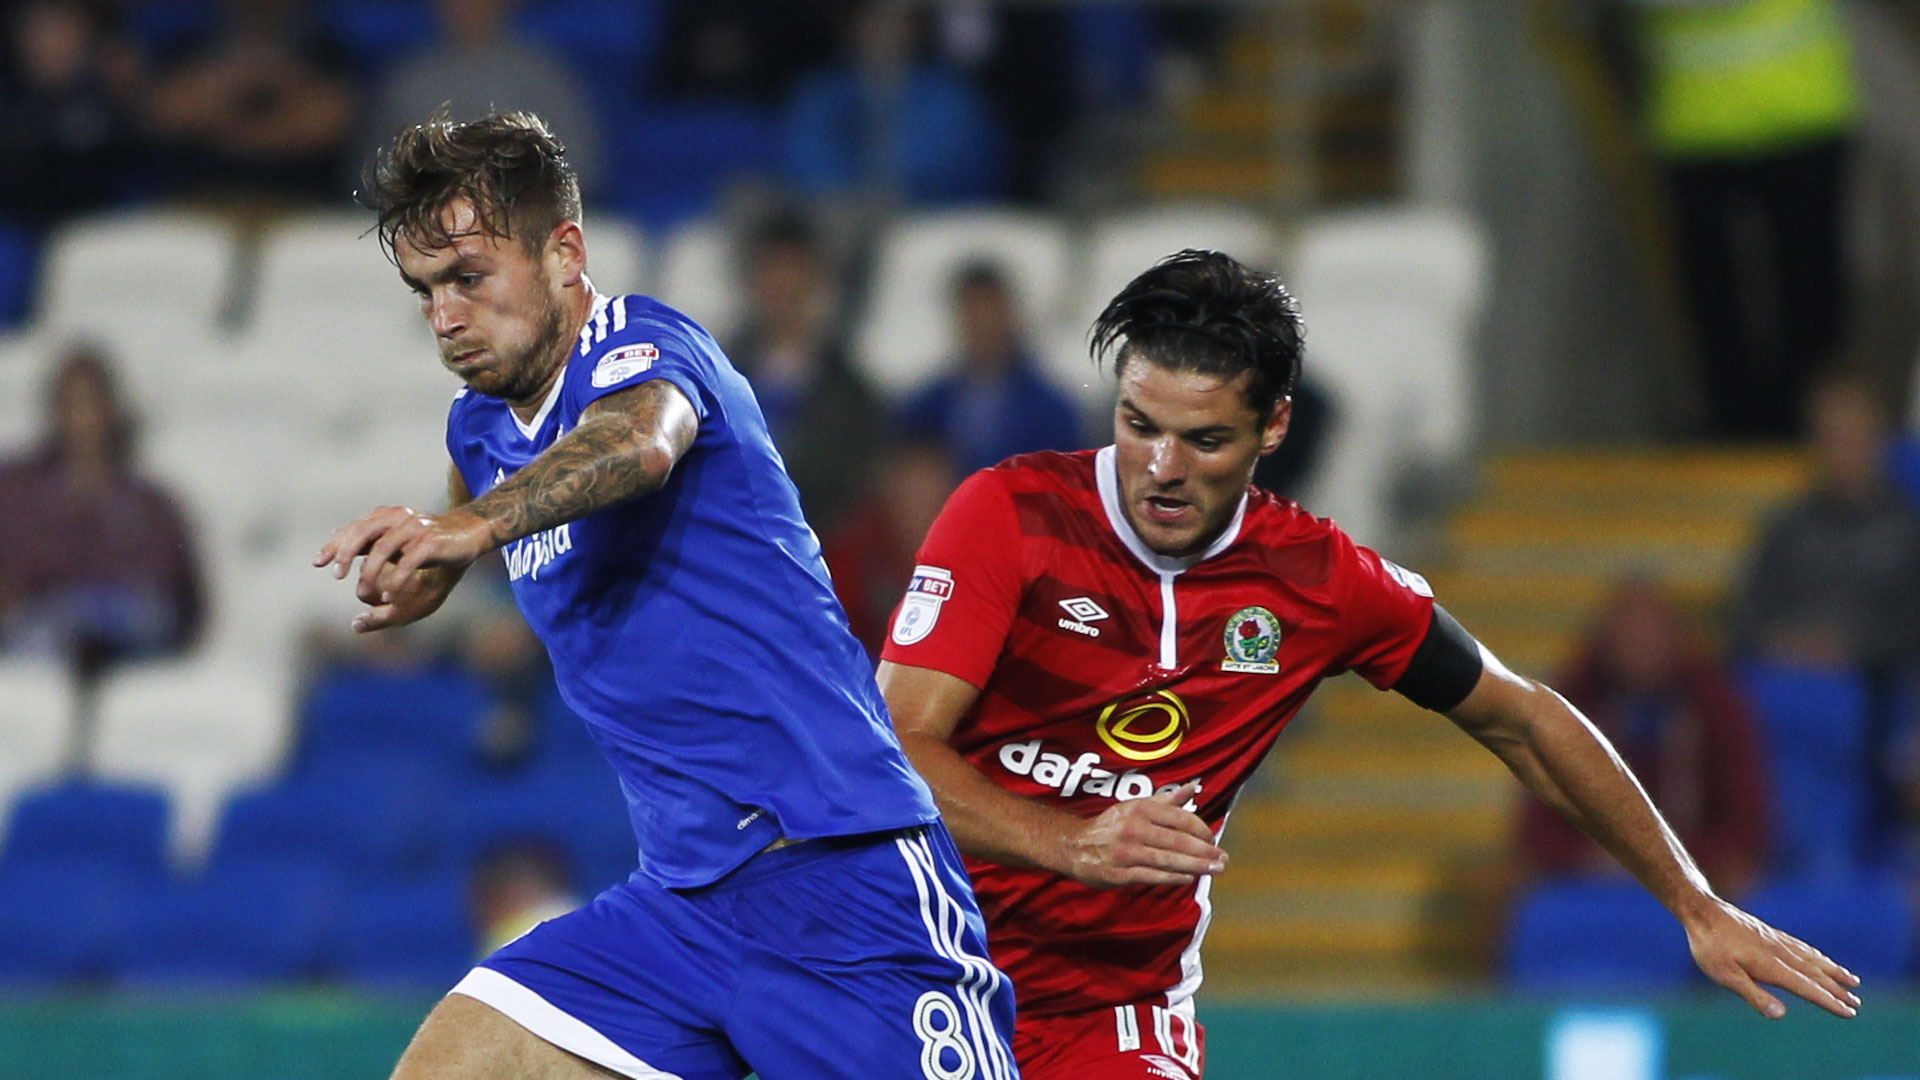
(1106, 473)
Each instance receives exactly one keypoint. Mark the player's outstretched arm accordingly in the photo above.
(1561, 757)
(626, 445)
(1151, 841)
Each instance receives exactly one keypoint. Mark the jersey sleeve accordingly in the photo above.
(643, 353)
(1386, 610)
(966, 587)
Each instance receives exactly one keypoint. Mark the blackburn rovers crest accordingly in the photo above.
(1252, 640)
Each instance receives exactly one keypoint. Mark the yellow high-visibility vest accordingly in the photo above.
(1747, 76)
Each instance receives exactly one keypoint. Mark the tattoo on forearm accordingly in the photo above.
(605, 460)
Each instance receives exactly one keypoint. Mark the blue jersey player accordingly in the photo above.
(798, 909)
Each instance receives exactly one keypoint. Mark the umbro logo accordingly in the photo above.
(1081, 610)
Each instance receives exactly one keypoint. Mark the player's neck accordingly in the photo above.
(578, 304)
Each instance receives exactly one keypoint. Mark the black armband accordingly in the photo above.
(1446, 667)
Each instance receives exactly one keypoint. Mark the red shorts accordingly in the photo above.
(1129, 1042)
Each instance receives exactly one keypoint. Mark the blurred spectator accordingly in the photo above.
(996, 403)
(97, 564)
(891, 125)
(820, 411)
(263, 105)
(482, 66)
(871, 555)
(497, 645)
(1835, 579)
(516, 888)
(1289, 470)
(66, 111)
(1750, 107)
(1645, 680)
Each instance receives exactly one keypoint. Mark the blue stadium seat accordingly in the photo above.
(19, 262)
(1594, 935)
(710, 146)
(121, 825)
(577, 809)
(434, 715)
(372, 816)
(1865, 923)
(406, 937)
(64, 920)
(607, 43)
(1815, 725)
(241, 922)
(376, 33)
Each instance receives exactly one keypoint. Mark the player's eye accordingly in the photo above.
(1140, 426)
(468, 280)
(1208, 444)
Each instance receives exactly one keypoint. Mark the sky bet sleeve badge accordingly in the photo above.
(1253, 640)
(931, 588)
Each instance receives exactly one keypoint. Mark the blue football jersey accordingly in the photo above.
(694, 628)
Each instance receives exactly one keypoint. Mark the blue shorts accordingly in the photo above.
(853, 957)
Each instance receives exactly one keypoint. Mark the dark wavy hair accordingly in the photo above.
(508, 165)
(1205, 311)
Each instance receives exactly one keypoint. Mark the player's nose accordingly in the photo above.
(445, 318)
(1164, 465)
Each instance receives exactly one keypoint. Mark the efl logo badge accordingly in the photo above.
(1081, 610)
(1252, 640)
(931, 588)
(1144, 730)
(624, 363)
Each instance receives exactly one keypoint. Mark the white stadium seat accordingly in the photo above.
(37, 704)
(326, 287)
(1123, 245)
(616, 254)
(26, 360)
(1392, 301)
(700, 275)
(199, 727)
(128, 267)
(908, 331)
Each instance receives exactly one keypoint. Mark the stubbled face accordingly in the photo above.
(1186, 445)
(496, 309)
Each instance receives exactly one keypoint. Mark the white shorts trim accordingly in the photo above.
(544, 1019)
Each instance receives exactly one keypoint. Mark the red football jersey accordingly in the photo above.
(1109, 672)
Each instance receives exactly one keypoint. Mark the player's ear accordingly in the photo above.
(1276, 426)
(566, 253)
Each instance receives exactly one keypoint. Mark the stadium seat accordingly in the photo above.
(399, 936)
(376, 33)
(372, 816)
(432, 715)
(1865, 923)
(609, 42)
(37, 701)
(65, 919)
(137, 267)
(1121, 246)
(1392, 300)
(576, 807)
(19, 259)
(26, 360)
(908, 331)
(616, 254)
(700, 275)
(1594, 935)
(121, 826)
(1815, 725)
(236, 923)
(711, 146)
(198, 728)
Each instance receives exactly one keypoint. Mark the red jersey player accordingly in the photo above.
(1098, 648)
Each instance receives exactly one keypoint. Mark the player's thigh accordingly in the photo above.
(873, 963)
(466, 1039)
(1129, 1042)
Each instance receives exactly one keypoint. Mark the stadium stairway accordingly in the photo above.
(1305, 99)
(1354, 859)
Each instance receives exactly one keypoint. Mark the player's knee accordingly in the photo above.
(463, 1039)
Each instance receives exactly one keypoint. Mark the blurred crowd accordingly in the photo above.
(1778, 734)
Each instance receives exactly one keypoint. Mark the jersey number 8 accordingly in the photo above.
(944, 1055)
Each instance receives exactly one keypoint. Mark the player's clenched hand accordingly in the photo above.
(398, 544)
(1739, 952)
(1151, 841)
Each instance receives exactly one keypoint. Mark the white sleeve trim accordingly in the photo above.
(544, 1019)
